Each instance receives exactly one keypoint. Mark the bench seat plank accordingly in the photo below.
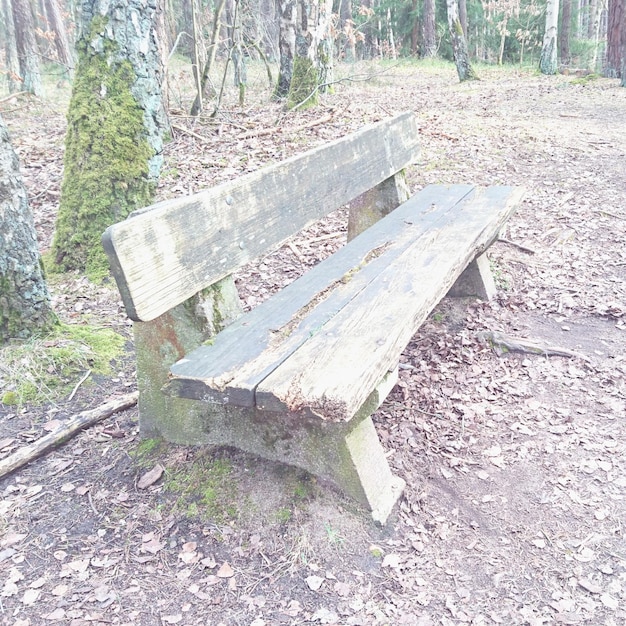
(332, 374)
(166, 253)
(248, 350)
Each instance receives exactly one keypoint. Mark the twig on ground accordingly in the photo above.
(182, 129)
(502, 344)
(604, 212)
(78, 384)
(65, 432)
(517, 245)
(277, 129)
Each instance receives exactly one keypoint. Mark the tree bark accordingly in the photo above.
(548, 60)
(10, 49)
(24, 298)
(286, 45)
(615, 38)
(459, 45)
(565, 32)
(429, 34)
(61, 40)
(27, 51)
(116, 123)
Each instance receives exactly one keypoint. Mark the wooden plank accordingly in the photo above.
(164, 255)
(332, 374)
(244, 353)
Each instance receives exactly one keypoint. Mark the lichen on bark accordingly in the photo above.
(303, 91)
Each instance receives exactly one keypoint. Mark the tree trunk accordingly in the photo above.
(459, 45)
(61, 40)
(286, 45)
(346, 24)
(116, 122)
(548, 60)
(27, 51)
(24, 298)
(463, 18)
(312, 63)
(10, 48)
(206, 88)
(615, 41)
(429, 33)
(565, 33)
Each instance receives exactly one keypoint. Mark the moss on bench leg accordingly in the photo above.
(161, 342)
(476, 280)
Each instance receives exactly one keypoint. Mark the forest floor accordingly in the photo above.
(515, 464)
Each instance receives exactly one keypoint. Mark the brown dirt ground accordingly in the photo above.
(515, 464)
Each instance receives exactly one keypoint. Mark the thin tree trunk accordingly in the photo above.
(565, 32)
(61, 40)
(10, 48)
(463, 18)
(459, 45)
(548, 61)
(616, 18)
(429, 34)
(206, 88)
(24, 298)
(27, 51)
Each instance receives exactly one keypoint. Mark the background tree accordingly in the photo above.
(26, 44)
(24, 299)
(616, 39)
(429, 32)
(65, 52)
(548, 61)
(116, 121)
(459, 45)
(10, 49)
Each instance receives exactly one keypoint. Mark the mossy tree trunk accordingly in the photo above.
(459, 44)
(116, 123)
(548, 60)
(312, 65)
(24, 299)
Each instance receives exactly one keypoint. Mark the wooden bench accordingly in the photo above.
(297, 378)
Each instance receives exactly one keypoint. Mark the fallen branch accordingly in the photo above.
(277, 129)
(182, 129)
(65, 432)
(15, 95)
(501, 344)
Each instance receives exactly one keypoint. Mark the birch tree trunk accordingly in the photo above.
(548, 60)
(286, 45)
(459, 44)
(24, 298)
(116, 122)
(27, 51)
(312, 64)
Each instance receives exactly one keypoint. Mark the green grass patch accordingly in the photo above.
(46, 368)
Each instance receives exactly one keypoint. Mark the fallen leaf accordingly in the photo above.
(59, 590)
(609, 601)
(391, 560)
(11, 538)
(172, 619)
(225, 570)
(30, 596)
(314, 582)
(56, 615)
(149, 478)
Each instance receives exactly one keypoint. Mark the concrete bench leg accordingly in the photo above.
(476, 280)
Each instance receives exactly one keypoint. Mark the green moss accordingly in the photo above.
(304, 82)
(204, 489)
(106, 157)
(48, 367)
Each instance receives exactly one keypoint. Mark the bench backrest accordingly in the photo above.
(164, 254)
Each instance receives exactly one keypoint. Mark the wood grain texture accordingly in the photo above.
(333, 372)
(163, 255)
(243, 354)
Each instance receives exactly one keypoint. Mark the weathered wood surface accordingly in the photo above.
(328, 362)
(243, 354)
(163, 255)
(332, 374)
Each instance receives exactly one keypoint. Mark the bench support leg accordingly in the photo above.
(374, 204)
(161, 342)
(476, 280)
